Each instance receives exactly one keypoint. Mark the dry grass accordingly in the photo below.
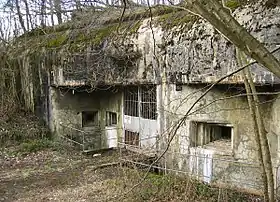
(64, 175)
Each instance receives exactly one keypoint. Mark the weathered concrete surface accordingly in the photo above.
(233, 162)
(67, 107)
(195, 53)
(203, 55)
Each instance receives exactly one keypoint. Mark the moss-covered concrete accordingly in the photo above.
(76, 33)
(181, 19)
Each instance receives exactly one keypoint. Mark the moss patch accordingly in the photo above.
(233, 4)
(101, 34)
(182, 18)
(57, 40)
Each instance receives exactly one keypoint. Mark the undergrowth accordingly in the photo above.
(21, 127)
(35, 145)
(165, 188)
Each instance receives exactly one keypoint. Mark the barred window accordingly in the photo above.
(141, 101)
(111, 118)
(131, 101)
(148, 102)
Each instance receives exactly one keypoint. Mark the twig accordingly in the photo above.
(105, 165)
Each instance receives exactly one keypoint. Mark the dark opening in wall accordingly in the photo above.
(179, 87)
(111, 119)
(131, 138)
(89, 118)
(203, 133)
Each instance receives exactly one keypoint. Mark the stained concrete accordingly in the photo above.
(233, 162)
(67, 106)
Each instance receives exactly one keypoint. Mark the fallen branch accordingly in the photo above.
(105, 165)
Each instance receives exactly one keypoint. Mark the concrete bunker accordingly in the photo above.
(148, 101)
(90, 120)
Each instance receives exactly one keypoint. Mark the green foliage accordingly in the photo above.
(142, 13)
(159, 180)
(203, 190)
(35, 145)
(57, 36)
(35, 32)
(57, 40)
(98, 36)
(233, 4)
(170, 20)
(134, 27)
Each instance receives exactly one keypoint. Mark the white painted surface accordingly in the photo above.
(207, 165)
(200, 163)
(146, 128)
(148, 132)
(111, 135)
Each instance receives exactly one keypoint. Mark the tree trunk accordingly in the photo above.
(52, 12)
(43, 12)
(255, 126)
(21, 21)
(57, 8)
(260, 132)
(79, 6)
(264, 140)
(28, 17)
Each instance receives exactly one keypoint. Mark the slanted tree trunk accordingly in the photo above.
(57, 8)
(263, 137)
(260, 132)
(257, 137)
(21, 21)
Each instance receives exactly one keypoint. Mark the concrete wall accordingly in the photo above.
(233, 163)
(195, 53)
(66, 115)
(274, 132)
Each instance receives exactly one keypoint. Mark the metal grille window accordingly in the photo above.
(131, 101)
(148, 102)
(111, 118)
(141, 101)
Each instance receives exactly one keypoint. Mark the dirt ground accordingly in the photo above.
(66, 175)
(56, 176)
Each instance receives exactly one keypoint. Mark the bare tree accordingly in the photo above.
(258, 138)
(58, 12)
(27, 16)
(263, 136)
(20, 17)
